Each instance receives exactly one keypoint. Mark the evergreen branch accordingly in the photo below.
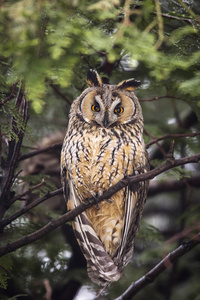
(12, 94)
(12, 160)
(167, 136)
(55, 223)
(149, 277)
(18, 214)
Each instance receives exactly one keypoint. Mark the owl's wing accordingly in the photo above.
(135, 197)
(64, 179)
(100, 266)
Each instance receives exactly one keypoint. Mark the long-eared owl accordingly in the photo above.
(103, 144)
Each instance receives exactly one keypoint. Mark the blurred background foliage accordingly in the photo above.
(48, 47)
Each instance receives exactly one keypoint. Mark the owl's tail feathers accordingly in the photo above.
(100, 291)
(101, 267)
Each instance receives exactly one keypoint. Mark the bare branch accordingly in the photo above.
(55, 223)
(177, 18)
(159, 97)
(148, 278)
(18, 214)
(173, 185)
(167, 136)
(20, 196)
(42, 150)
(184, 233)
(12, 94)
(60, 94)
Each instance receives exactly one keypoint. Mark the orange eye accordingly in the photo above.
(118, 110)
(95, 107)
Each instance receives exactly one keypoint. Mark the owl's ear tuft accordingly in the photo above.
(93, 78)
(129, 85)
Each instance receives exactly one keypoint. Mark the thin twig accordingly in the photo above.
(194, 16)
(162, 150)
(159, 97)
(18, 214)
(42, 150)
(176, 18)
(149, 277)
(12, 94)
(172, 185)
(60, 94)
(167, 136)
(20, 196)
(184, 233)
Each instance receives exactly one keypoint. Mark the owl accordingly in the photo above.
(103, 144)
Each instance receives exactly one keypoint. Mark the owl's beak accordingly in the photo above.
(105, 120)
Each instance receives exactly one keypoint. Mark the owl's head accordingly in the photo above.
(109, 105)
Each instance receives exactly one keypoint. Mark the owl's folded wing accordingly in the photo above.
(135, 197)
(64, 179)
(100, 266)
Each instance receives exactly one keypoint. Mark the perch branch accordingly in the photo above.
(149, 277)
(55, 223)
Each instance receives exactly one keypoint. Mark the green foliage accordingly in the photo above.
(11, 112)
(61, 37)
(5, 268)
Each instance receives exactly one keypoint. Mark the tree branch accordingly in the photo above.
(167, 136)
(18, 214)
(12, 160)
(20, 196)
(12, 94)
(148, 278)
(55, 223)
(173, 185)
(60, 94)
(42, 150)
(159, 97)
(176, 18)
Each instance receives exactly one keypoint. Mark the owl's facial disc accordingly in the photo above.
(108, 109)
